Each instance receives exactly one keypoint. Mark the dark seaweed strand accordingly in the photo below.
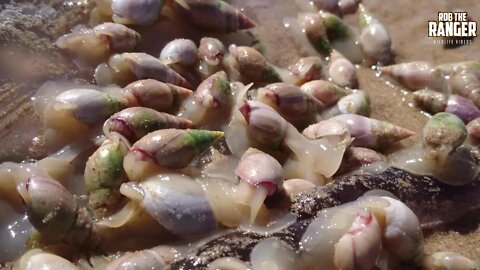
(428, 198)
(236, 244)
(239, 245)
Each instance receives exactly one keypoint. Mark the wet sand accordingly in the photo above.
(28, 56)
(406, 21)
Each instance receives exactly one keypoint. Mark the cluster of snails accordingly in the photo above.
(265, 131)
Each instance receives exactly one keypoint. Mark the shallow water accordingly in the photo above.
(28, 30)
